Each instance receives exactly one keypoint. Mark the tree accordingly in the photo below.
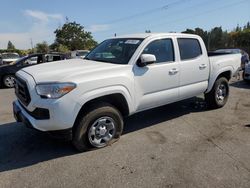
(10, 46)
(62, 48)
(59, 48)
(215, 37)
(198, 31)
(73, 36)
(42, 47)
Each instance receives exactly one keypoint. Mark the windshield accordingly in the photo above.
(9, 56)
(117, 51)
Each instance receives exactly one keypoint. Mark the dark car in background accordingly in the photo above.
(244, 55)
(246, 72)
(7, 72)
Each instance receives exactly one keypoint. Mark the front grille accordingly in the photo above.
(22, 91)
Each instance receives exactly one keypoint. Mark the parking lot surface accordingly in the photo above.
(178, 145)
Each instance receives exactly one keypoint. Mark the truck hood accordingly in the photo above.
(69, 70)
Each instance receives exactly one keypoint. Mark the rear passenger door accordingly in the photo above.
(194, 67)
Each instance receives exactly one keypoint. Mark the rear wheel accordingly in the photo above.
(218, 96)
(244, 77)
(9, 81)
(98, 127)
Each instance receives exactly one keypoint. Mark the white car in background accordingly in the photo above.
(7, 58)
(79, 54)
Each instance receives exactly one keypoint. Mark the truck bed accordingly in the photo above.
(217, 53)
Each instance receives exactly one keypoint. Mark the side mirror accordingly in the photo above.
(146, 59)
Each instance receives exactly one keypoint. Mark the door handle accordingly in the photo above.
(173, 71)
(202, 66)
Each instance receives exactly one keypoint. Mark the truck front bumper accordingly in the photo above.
(21, 115)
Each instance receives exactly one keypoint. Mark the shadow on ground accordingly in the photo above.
(241, 84)
(22, 147)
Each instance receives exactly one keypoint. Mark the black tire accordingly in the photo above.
(82, 139)
(244, 78)
(218, 96)
(7, 81)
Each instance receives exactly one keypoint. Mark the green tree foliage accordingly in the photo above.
(10, 46)
(73, 36)
(198, 31)
(217, 38)
(241, 39)
(62, 48)
(59, 48)
(42, 47)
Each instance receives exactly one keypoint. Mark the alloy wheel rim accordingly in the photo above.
(9, 81)
(101, 131)
(221, 93)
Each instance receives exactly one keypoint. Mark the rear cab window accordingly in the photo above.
(189, 48)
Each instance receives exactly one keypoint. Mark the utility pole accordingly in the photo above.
(31, 42)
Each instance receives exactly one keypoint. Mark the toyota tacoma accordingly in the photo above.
(87, 99)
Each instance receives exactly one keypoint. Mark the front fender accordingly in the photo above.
(100, 92)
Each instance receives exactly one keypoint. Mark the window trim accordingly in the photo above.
(189, 59)
(164, 62)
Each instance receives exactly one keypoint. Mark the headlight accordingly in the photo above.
(54, 90)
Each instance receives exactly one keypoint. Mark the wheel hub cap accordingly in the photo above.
(101, 131)
(221, 92)
(9, 81)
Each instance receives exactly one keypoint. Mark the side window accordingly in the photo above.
(162, 49)
(189, 48)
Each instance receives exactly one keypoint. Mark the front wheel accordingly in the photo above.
(9, 81)
(98, 127)
(218, 96)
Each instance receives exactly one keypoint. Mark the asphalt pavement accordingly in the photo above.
(179, 145)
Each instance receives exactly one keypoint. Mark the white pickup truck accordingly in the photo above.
(87, 99)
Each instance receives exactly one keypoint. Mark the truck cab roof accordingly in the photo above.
(146, 35)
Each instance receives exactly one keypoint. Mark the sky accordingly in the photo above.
(23, 21)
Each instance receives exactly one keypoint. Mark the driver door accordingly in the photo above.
(157, 84)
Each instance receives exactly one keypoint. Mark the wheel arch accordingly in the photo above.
(227, 73)
(117, 99)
